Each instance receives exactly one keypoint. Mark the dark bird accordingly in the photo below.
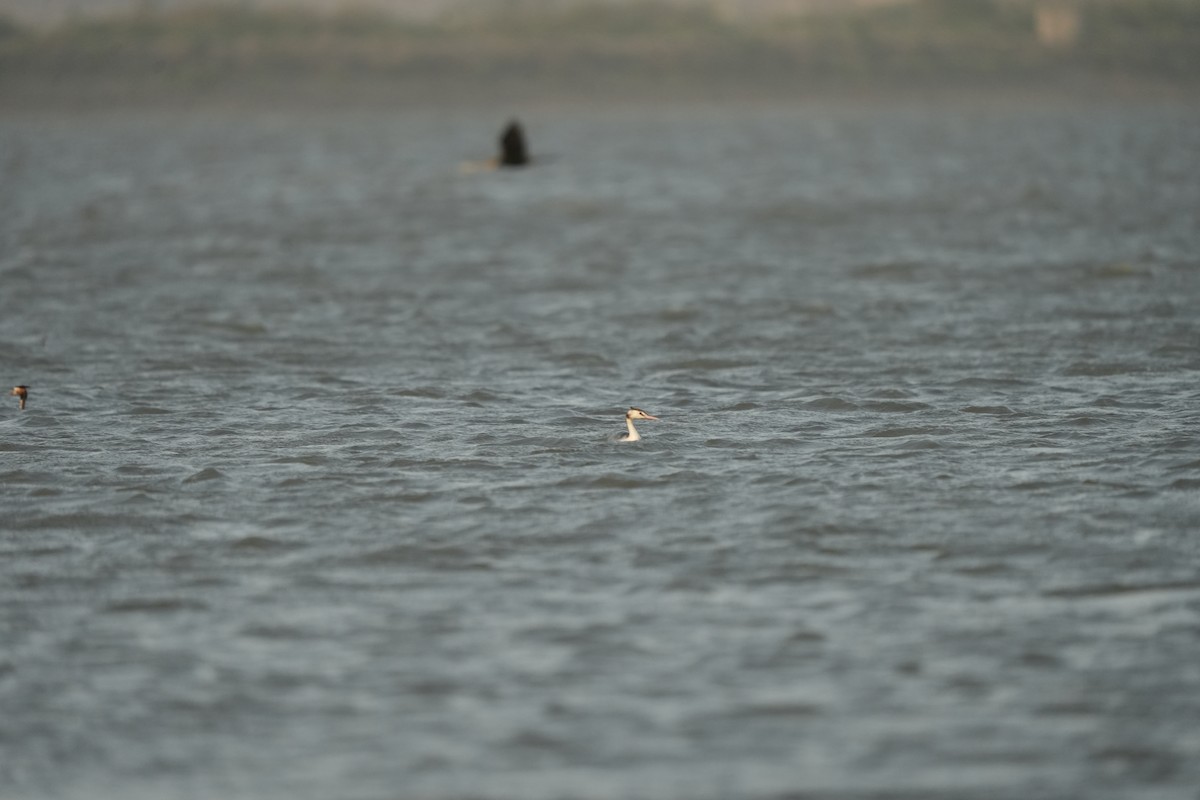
(514, 151)
(21, 392)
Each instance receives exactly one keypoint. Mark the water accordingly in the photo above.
(313, 496)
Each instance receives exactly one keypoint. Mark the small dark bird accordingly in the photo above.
(514, 152)
(21, 392)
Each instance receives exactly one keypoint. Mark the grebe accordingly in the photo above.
(630, 416)
(21, 392)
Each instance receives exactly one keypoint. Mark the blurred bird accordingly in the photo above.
(514, 152)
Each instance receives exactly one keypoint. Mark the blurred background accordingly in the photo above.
(79, 48)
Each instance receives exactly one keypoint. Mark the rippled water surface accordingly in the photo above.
(313, 497)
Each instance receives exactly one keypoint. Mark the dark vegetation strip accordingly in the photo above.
(932, 41)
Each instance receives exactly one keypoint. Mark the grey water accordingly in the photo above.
(314, 495)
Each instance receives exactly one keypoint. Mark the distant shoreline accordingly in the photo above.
(99, 97)
(226, 55)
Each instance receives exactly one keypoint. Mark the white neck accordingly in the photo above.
(633, 434)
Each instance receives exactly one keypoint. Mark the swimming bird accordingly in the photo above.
(21, 392)
(630, 416)
(514, 152)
